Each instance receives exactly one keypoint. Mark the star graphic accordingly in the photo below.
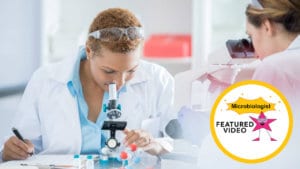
(262, 122)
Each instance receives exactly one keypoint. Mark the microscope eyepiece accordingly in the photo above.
(112, 99)
(112, 89)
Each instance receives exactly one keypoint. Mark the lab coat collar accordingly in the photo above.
(295, 44)
(63, 71)
(140, 75)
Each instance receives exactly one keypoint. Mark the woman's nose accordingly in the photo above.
(120, 81)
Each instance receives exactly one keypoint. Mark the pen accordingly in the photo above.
(17, 133)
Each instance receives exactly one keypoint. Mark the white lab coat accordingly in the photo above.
(282, 71)
(48, 113)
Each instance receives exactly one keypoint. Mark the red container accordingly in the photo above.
(168, 46)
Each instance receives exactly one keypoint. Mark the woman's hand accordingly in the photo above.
(143, 140)
(16, 149)
(139, 137)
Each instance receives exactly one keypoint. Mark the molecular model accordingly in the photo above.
(130, 158)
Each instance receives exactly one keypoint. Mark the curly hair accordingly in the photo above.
(114, 17)
(285, 12)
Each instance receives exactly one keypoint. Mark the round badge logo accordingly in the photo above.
(251, 121)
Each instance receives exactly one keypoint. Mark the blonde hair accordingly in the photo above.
(114, 17)
(285, 12)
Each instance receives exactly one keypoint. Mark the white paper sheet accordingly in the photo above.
(42, 161)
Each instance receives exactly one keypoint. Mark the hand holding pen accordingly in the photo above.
(17, 148)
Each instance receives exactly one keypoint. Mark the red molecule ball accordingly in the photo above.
(123, 155)
(133, 147)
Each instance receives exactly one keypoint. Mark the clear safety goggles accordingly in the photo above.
(256, 4)
(115, 33)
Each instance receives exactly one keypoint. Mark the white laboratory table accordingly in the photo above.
(184, 156)
(171, 161)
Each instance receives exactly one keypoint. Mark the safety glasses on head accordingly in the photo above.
(116, 34)
(256, 4)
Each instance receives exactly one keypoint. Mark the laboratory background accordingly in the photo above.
(180, 35)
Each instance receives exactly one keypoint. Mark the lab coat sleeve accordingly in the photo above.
(286, 82)
(264, 73)
(166, 99)
(26, 118)
(165, 103)
(271, 74)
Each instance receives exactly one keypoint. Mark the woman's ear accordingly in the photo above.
(88, 52)
(269, 27)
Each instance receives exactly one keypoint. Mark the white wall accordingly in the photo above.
(228, 21)
(19, 41)
(157, 16)
(19, 52)
(214, 22)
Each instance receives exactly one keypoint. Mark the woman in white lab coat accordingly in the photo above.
(61, 109)
(274, 27)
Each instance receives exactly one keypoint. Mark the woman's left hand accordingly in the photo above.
(139, 137)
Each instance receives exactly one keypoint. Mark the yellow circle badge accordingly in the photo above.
(251, 121)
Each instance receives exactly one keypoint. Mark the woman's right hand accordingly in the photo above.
(16, 149)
